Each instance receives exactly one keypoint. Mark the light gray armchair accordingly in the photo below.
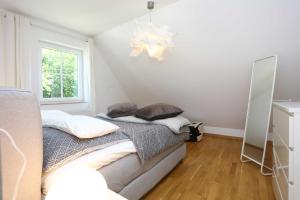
(20, 117)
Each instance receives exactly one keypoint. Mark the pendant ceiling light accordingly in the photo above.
(150, 38)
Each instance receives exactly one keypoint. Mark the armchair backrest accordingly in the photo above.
(20, 117)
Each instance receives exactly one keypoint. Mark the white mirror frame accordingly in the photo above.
(245, 158)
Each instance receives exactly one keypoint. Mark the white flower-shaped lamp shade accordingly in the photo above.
(79, 184)
(151, 39)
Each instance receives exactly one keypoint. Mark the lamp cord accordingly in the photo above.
(150, 7)
(6, 133)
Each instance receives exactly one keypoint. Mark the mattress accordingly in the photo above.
(121, 172)
(94, 160)
(61, 148)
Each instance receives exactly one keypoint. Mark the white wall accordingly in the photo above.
(208, 71)
(108, 89)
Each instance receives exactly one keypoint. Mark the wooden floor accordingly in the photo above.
(212, 171)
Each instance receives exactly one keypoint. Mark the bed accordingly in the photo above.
(132, 160)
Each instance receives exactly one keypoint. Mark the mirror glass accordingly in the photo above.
(259, 108)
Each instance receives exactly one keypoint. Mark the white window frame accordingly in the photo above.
(64, 48)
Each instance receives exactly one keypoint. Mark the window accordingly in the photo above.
(62, 75)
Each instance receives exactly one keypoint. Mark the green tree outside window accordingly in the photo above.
(59, 73)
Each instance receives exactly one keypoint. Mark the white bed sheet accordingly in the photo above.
(94, 160)
(173, 123)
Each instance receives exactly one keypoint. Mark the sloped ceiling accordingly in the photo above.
(85, 16)
(208, 71)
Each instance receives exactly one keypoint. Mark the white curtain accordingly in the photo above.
(89, 76)
(15, 51)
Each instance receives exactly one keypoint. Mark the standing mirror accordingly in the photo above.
(259, 112)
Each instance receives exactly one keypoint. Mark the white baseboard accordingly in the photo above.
(228, 132)
(224, 131)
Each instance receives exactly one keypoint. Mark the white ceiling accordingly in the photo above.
(89, 16)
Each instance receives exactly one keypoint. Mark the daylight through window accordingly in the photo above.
(61, 73)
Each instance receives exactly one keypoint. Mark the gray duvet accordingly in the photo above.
(149, 140)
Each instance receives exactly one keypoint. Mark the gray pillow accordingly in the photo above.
(121, 110)
(158, 111)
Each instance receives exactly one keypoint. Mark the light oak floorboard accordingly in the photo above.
(212, 171)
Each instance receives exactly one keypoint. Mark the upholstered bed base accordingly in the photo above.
(144, 183)
(132, 179)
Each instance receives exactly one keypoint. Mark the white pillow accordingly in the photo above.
(52, 116)
(77, 125)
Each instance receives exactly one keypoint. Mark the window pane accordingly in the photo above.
(60, 72)
(70, 75)
(51, 79)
